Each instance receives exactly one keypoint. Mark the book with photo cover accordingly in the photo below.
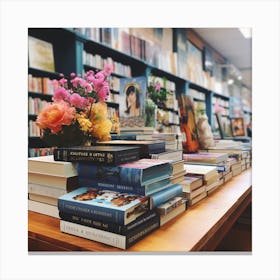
(110, 206)
(132, 98)
(98, 154)
(40, 54)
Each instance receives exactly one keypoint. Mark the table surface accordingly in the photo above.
(200, 228)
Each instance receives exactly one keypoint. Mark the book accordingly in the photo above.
(174, 155)
(46, 190)
(197, 198)
(67, 183)
(205, 170)
(175, 213)
(137, 130)
(136, 173)
(144, 190)
(43, 208)
(132, 96)
(147, 147)
(109, 238)
(170, 205)
(190, 183)
(108, 226)
(40, 54)
(132, 137)
(220, 167)
(107, 205)
(205, 157)
(98, 154)
(42, 198)
(47, 165)
(191, 194)
(162, 196)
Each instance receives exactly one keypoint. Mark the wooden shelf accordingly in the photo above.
(200, 228)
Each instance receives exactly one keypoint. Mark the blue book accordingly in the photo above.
(137, 173)
(166, 194)
(145, 190)
(109, 206)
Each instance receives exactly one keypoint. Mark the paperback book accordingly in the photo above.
(104, 204)
(191, 183)
(98, 154)
(205, 157)
(205, 170)
(173, 214)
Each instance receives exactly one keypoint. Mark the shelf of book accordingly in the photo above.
(200, 228)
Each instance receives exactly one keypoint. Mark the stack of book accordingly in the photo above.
(218, 160)
(123, 195)
(194, 189)
(47, 180)
(208, 173)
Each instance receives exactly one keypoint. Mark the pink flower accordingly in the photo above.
(60, 94)
(62, 81)
(72, 75)
(103, 93)
(75, 81)
(54, 115)
(88, 88)
(157, 86)
(77, 100)
(108, 69)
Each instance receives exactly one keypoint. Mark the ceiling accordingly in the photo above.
(232, 45)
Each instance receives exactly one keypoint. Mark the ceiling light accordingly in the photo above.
(246, 32)
(239, 77)
(230, 81)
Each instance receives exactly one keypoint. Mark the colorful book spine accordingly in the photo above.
(111, 227)
(162, 196)
(110, 238)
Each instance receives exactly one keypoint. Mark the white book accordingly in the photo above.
(48, 166)
(43, 208)
(46, 190)
(198, 198)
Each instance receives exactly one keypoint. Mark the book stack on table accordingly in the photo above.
(118, 202)
(47, 180)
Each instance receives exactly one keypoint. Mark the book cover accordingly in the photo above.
(47, 165)
(110, 238)
(110, 206)
(132, 101)
(136, 173)
(98, 154)
(108, 226)
(205, 157)
(40, 54)
(166, 194)
(147, 147)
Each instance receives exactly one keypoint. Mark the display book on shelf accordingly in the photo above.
(149, 205)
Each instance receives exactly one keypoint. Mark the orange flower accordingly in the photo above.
(55, 115)
(101, 130)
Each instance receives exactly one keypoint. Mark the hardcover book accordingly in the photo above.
(99, 154)
(205, 157)
(108, 226)
(113, 239)
(137, 173)
(166, 194)
(107, 205)
(147, 147)
(47, 165)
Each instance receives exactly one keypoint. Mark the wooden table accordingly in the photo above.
(200, 228)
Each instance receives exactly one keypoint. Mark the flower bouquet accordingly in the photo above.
(78, 113)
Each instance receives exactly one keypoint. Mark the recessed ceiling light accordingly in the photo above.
(246, 32)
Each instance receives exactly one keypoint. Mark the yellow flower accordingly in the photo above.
(84, 122)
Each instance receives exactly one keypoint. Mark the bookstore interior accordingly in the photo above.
(139, 140)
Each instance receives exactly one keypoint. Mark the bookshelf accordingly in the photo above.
(133, 52)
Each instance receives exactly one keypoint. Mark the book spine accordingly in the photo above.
(106, 237)
(100, 224)
(110, 238)
(106, 214)
(166, 194)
